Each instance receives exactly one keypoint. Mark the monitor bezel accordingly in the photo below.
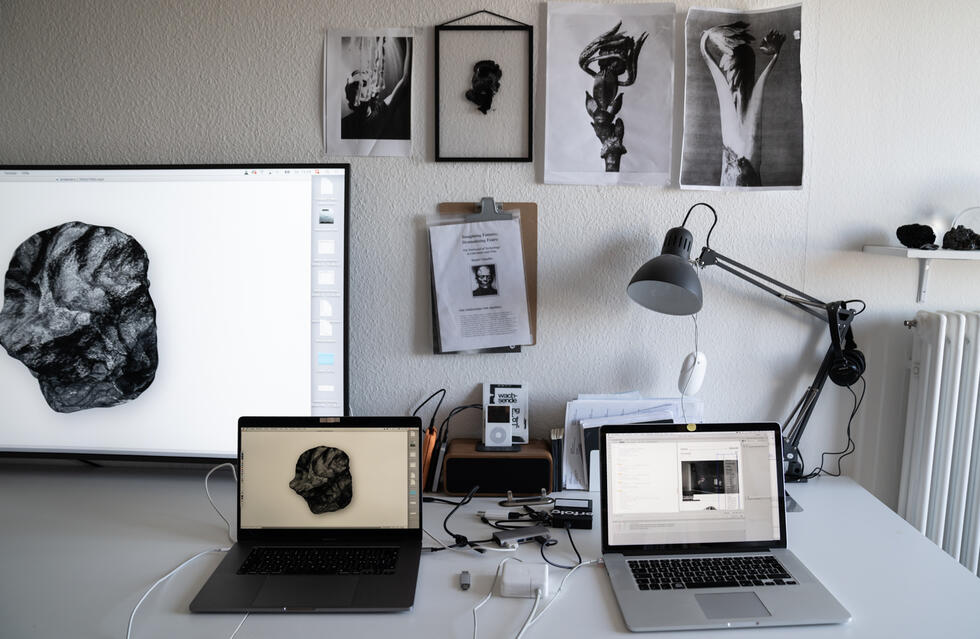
(169, 457)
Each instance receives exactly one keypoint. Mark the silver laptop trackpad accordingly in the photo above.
(731, 605)
(307, 591)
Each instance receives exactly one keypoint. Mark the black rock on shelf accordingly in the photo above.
(961, 238)
(77, 313)
(323, 479)
(916, 236)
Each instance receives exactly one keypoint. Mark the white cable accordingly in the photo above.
(239, 627)
(129, 628)
(527, 622)
(490, 592)
(231, 534)
(558, 592)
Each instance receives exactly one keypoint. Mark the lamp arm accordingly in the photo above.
(797, 421)
(802, 301)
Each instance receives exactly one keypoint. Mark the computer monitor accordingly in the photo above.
(146, 308)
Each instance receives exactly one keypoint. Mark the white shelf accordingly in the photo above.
(925, 258)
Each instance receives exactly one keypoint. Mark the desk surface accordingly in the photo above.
(80, 545)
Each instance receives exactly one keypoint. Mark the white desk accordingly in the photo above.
(78, 546)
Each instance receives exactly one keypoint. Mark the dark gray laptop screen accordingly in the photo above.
(692, 487)
(329, 478)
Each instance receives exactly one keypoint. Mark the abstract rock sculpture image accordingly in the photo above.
(485, 83)
(323, 479)
(613, 54)
(728, 53)
(77, 313)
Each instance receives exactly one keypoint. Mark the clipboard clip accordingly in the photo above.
(490, 211)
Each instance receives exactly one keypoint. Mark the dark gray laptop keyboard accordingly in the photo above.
(319, 561)
(709, 572)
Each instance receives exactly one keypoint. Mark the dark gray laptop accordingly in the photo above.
(329, 517)
(694, 530)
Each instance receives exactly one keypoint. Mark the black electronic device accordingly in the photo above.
(572, 513)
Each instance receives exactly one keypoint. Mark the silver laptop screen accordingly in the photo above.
(329, 478)
(692, 487)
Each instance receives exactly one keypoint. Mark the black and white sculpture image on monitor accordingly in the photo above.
(77, 313)
(323, 479)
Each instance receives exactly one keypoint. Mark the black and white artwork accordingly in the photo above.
(77, 313)
(708, 477)
(483, 93)
(743, 115)
(485, 276)
(609, 112)
(368, 92)
(323, 479)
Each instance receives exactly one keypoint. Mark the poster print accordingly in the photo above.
(367, 95)
(743, 116)
(610, 77)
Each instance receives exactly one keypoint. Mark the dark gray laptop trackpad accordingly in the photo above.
(302, 591)
(731, 605)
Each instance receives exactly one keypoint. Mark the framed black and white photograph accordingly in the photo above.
(610, 87)
(367, 97)
(743, 112)
(484, 92)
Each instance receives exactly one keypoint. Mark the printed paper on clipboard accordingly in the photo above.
(480, 290)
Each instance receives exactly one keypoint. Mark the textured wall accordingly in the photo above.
(891, 137)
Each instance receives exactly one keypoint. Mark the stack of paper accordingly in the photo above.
(584, 416)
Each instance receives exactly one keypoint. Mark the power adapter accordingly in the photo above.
(524, 580)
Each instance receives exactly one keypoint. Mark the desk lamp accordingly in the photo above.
(669, 284)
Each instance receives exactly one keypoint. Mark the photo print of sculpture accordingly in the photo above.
(743, 114)
(484, 93)
(368, 92)
(609, 106)
(77, 313)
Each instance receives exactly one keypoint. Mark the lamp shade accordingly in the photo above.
(668, 283)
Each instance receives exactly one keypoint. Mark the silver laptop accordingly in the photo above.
(694, 530)
(329, 517)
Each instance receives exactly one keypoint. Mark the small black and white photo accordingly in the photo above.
(368, 92)
(484, 279)
(709, 477)
(609, 102)
(743, 113)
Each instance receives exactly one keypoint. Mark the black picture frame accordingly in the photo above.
(443, 151)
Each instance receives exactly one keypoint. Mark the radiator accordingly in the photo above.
(940, 487)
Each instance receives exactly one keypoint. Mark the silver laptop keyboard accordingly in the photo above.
(709, 572)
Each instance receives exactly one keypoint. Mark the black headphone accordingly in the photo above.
(848, 364)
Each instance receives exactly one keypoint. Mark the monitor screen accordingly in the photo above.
(146, 308)
(702, 487)
(329, 478)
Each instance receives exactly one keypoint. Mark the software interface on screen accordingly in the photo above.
(329, 477)
(146, 309)
(692, 487)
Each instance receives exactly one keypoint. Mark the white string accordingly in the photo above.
(527, 622)
(129, 628)
(683, 408)
(239, 626)
(231, 534)
(490, 592)
(558, 592)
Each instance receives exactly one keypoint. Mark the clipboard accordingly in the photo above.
(487, 209)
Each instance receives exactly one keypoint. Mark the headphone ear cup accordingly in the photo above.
(848, 368)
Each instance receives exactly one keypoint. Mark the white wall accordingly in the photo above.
(890, 94)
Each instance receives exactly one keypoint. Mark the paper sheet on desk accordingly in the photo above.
(596, 412)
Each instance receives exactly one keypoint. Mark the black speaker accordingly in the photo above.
(524, 472)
